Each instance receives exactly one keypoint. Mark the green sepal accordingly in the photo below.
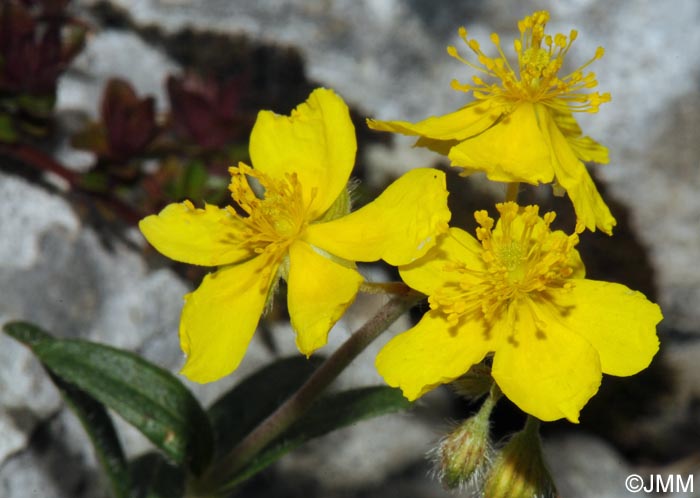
(340, 207)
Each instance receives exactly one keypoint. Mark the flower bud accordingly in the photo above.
(519, 470)
(463, 455)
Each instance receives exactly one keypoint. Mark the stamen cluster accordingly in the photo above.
(272, 219)
(540, 58)
(522, 260)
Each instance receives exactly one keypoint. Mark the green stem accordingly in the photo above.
(299, 403)
(532, 427)
(512, 192)
(491, 400)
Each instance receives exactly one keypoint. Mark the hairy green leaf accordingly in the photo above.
(148, 397)
(154, 477)
(99, 427)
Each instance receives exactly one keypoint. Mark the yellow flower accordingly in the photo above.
(295, 226)
(522, 128)
(519, 292)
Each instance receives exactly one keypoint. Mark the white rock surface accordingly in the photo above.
(26, 212)
(11, 439)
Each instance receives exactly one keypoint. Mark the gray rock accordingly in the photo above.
(27, 212)
(11, 438)
(585, 467)
(57, 464)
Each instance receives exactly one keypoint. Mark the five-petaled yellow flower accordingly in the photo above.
(519, 292)
(291, 222)
(522, 128)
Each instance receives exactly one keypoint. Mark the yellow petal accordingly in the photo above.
(617, 321)
(428, 273)
(317, 143)
(442, 147)
(550, 372)
(585, 148)
(466, 122)
(432, 353)
(319, 291)
(513, 150)
(573, 176)
(220, 317)
(206, 237)
(588, 150)
(398, 227)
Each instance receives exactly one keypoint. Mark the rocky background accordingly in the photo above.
(387, 59)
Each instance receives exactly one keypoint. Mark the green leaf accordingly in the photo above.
(99, 427)
(330, 412)
(93, 138)
(94, 181)
(194, 179)
(238, 411)
(28, 334)
(148, 397)
(153, 477)
(7, 129)
(39, 106)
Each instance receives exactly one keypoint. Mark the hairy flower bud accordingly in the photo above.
(463, 455)
(519, 470)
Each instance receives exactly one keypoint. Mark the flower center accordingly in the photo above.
(540, 58)
(523, 260)
(274, 219)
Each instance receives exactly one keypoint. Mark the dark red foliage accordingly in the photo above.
(37, 42)
(52, 6)
(129, 121)
(208, 111)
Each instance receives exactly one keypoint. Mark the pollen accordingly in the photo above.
(273, 218)
(536, 78)
(523, 259)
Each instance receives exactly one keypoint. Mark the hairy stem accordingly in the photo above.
(512, 192)
(299, 403)
(398, 288)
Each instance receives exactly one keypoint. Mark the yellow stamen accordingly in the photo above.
(275, 219)
(523, 260)
(540, 58)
